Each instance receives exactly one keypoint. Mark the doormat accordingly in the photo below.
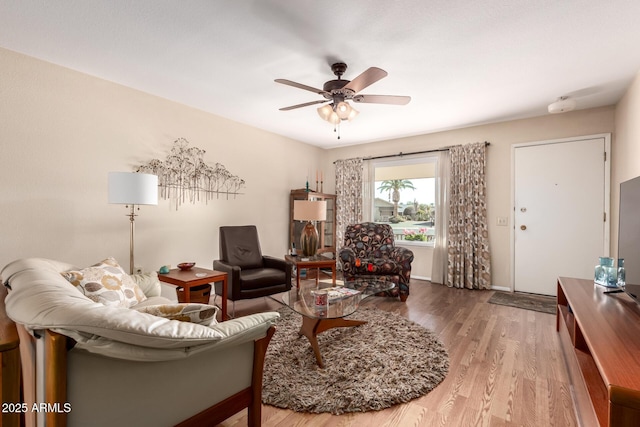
(541, 303)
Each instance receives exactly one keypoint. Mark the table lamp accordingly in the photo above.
(131, 189)
(309, 210)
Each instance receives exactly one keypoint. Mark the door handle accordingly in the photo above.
(523, 227)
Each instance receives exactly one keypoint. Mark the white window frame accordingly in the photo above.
(424, 158)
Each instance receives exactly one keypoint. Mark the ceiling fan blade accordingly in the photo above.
(367, 78)
(382, 99)
(301, 86)
(306, 104)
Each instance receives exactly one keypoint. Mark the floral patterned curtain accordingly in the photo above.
(349, 196)
(469, 258)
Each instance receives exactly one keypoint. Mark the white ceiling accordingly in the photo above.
(462, 62)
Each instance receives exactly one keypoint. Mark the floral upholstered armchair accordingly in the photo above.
(369, 250)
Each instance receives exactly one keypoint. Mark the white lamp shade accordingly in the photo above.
(342, 110)
(309, 210)
(325, 111)
(334, 118)
(352, 114)
(129, 188)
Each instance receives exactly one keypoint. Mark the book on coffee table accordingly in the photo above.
(340, 292)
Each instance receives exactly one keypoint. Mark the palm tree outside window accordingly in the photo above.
(393, 186)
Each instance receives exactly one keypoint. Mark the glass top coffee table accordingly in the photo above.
(325, 306)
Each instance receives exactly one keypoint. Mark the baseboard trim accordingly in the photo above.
(493, 288)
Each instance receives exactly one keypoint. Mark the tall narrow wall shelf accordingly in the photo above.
(326, 229)
(600, 339)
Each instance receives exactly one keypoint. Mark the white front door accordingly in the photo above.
(560, 202)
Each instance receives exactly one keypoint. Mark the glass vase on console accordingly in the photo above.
(622, 275)
(605, 273)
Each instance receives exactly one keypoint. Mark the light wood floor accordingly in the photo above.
(506, 366)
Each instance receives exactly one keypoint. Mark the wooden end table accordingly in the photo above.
(316, 262)
(197, 276)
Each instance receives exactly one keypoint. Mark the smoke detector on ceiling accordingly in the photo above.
(562, 105)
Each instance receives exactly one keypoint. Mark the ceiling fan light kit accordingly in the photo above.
(346, 111)
(339, 91)
(335, 113)
(326, 111)
(562, 105)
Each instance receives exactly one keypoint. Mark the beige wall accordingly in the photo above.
(501, 136)
(625, 151)
(61, 132)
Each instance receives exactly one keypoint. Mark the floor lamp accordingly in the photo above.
(309, 210)
(131, 189)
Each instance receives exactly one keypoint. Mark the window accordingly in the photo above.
(404, 197)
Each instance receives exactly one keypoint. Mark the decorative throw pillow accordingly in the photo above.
(148, 283)
(202, 314)
(106, 283)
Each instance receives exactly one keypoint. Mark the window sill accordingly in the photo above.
(414, 243)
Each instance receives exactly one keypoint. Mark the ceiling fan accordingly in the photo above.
(339, 91)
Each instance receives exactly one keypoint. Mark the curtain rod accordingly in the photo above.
(401, 154)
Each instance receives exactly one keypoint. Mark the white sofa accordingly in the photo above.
(102, 365)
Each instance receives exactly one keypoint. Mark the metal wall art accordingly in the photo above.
(184, 176)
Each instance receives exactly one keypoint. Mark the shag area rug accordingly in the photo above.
(387, 361)
(540, 303)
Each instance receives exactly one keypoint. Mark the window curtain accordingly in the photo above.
(468, 241)
(349, 195)
(440, 249)
(368, 182)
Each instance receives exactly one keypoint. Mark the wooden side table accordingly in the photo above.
(316, 262)
(197, 276)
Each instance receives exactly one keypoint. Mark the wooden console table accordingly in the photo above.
(194, 277)
(600, 339)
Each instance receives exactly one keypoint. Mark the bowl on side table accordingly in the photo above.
(185, 266)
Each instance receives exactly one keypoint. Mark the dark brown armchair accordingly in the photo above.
(251, 274)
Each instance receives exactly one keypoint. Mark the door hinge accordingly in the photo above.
(604, 216)
(605, 156)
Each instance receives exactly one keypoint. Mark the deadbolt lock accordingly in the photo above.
(523, 227)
